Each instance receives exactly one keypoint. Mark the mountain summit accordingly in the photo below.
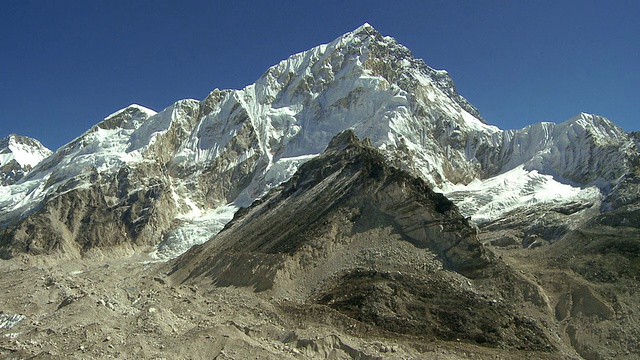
(18, 155)
(174, 178)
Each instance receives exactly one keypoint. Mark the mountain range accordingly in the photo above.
(198, 161)
(312, 183)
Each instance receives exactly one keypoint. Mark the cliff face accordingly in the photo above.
(122, 213)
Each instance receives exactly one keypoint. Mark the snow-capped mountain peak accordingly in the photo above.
(18, 155)
(364, 27)
(602, 129)
(24, 150)
(127, 118)
(178, 175)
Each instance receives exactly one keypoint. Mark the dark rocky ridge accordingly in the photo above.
(371, 242)
(11, 172)
(350, 174)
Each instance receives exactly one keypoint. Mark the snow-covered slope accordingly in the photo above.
(485, 200)
(586, 149)
(546, 162)
(100, 149)
(204, 159)
(18, 155)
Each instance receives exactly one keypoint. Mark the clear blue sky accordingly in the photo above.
(65, 65)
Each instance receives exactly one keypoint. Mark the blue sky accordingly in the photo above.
(65, 65)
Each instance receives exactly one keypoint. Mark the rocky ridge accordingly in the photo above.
(371, 242)
(351, 178)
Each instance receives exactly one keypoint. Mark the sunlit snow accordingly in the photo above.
(485, 200)
(23, 154)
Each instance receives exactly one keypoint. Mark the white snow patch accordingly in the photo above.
(8, 321)
(143, 109)
(277, 173)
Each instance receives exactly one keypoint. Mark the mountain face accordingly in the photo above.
(174, 178)
(348, 204)
(349, 181)
(18, 155)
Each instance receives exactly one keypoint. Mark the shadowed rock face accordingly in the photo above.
(429, 306)
(350, 178)
(11, 172)
(120, 212)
